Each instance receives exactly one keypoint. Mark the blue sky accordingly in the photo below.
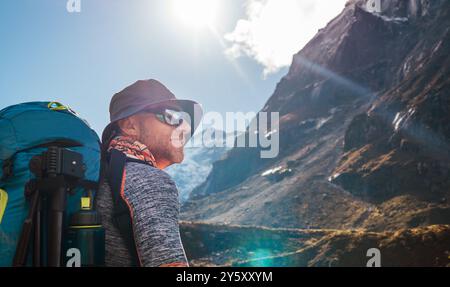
(82, 59)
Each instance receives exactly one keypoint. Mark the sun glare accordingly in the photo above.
(196, 13)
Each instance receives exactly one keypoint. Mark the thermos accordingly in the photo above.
(85, 244)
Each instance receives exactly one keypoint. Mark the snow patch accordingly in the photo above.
(400, 118)
(272, 171)
(397, 121)
(322, 121)
(270, 133)
(393, 19)
(333, 177)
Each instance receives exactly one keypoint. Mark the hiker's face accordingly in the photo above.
(164, 141)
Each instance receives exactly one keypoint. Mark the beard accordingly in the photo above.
(169, 152)
(163, 147)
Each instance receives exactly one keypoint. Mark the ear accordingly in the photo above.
(129, 127)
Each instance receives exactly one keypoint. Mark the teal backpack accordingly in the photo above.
(44, 140)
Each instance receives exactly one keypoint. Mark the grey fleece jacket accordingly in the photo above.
(153, 197)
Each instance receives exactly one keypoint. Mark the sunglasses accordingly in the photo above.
(170, 117)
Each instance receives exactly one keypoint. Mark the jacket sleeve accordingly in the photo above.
(153, 198)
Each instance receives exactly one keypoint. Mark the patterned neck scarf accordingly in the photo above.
(132, 149)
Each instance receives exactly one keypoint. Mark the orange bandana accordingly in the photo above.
(132, 149)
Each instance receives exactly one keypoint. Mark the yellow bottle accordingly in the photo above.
(3, 202)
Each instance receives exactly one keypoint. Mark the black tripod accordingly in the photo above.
(58, 171)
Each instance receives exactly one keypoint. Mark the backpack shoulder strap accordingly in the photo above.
(121, 212)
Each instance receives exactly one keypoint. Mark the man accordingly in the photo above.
(137, 200)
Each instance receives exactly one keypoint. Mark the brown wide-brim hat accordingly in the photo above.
(145, 95)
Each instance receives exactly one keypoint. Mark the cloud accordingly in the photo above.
(274, 30)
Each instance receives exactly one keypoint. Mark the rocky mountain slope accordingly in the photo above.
(364, 130)
(225, 245)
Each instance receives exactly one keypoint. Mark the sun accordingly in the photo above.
(196, 13)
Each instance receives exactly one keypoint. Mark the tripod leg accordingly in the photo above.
(20, 256)
(37, 236)
(55, 226)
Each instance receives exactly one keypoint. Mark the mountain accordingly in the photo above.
(364, 130)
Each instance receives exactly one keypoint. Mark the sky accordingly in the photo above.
(226, 54)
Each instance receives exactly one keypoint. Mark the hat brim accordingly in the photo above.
(192, 108)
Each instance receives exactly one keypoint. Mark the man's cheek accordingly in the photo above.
(176, 141)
